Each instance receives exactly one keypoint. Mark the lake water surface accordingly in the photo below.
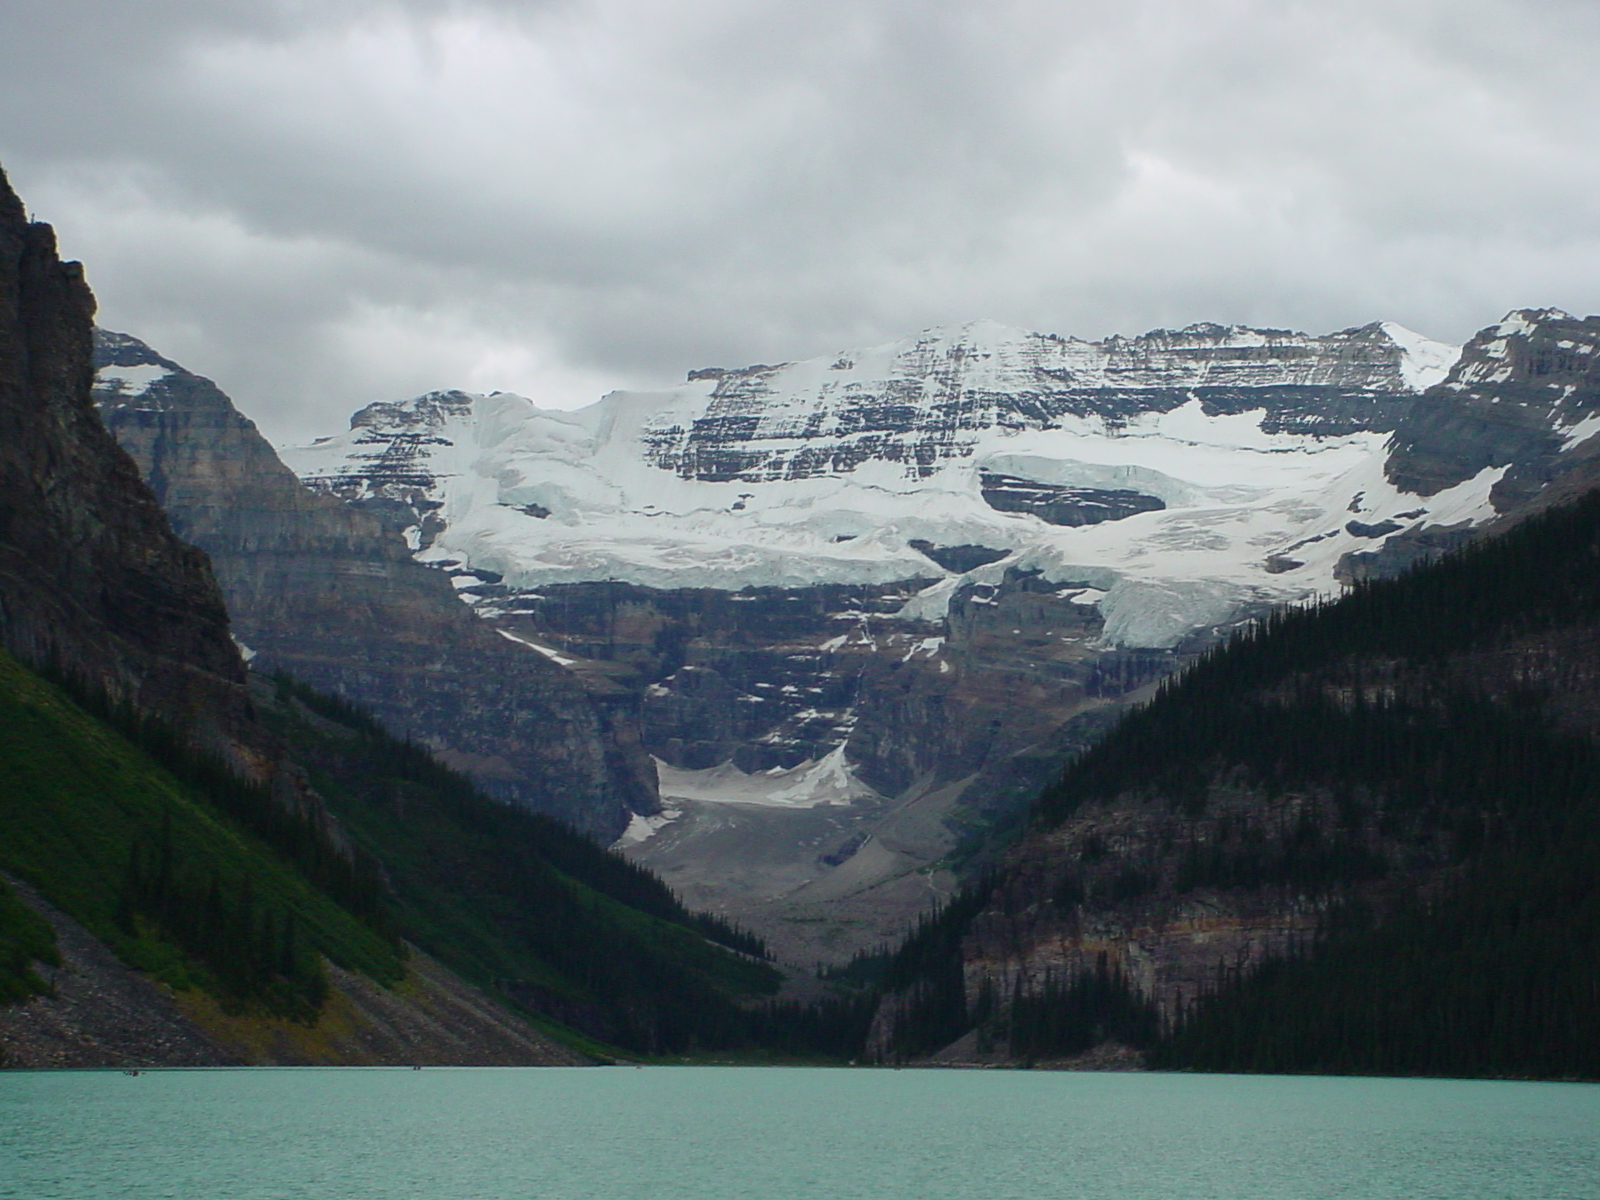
(682, 1133)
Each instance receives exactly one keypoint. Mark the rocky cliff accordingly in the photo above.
(1230, 855)
(330, 594)
(1523, 403)
(93, 580)
(924, 402)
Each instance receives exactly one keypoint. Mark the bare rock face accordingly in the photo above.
(92, 577)
(1516, 399)
(325, 591)
(932, 566)
(924, 406)
(1524, 400)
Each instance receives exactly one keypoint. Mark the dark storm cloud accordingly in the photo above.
(326, 203)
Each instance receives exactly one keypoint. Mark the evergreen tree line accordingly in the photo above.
(353, 880)
(833, 1028)
(920, 984)
(1478, 812)
(255, 953)
(1068, 1015)
(25, 939)
(608, 872)
(524, 905)
(1498, 976)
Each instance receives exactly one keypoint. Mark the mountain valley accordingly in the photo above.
(859, 609)
(201, 864)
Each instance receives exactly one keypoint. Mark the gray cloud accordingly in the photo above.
(326, 203)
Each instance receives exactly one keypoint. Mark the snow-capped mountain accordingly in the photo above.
(1179, 473)
(926, 572)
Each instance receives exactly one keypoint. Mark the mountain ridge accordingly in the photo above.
(953, 584)
(329, 593)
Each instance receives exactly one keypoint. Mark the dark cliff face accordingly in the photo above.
(329, 594)
(92, 577)
(769, 678)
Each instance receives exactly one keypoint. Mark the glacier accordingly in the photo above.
(828, 470)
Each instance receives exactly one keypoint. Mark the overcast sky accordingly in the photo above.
(321, 203)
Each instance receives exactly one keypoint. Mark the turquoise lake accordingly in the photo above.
(682, 1133)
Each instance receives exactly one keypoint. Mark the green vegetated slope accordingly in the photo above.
(520, 904)
(154, 868)
(26, 940)
(188, 874)
(1439, 736)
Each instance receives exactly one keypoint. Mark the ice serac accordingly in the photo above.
(328, 593)
(93, 581)
(951, 556)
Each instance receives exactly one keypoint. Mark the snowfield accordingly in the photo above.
(618, 490)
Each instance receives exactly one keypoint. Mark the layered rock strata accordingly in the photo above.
(93, 581)
(331, 595)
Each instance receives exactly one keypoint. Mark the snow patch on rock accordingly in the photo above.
(131, 381)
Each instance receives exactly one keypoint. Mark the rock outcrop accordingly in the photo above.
(330, 594)
(925, 401)
(937, 566)
(951, 559)
(98, 589)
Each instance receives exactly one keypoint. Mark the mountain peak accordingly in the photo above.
(431, 410)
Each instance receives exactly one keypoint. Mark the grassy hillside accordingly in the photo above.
(188, 874)
(154, 868)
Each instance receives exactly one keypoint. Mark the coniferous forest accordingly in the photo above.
(520, 904)
(207, 881)
(1438, 739)
(1443, 726)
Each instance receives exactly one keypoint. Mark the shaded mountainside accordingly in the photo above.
(328, 593)
(182, 892)
(282, 946)
(937, 566)
(92, 577)
(518, 903)
(1361, 838)
(944, 564)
